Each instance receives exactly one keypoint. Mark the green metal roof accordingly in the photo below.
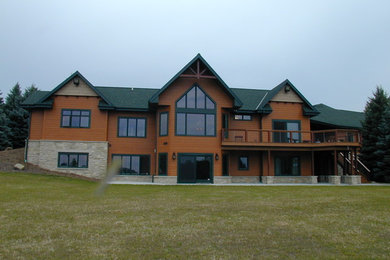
(237, 101)
(337, 117)
(251, 98)
(126, 98)
(33, 100)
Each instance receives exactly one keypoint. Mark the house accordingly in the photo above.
(194, 129)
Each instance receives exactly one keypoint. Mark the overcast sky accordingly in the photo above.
(334, 52)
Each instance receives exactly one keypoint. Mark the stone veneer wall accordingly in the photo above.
(44, 153)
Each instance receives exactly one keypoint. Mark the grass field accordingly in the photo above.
(45, 217)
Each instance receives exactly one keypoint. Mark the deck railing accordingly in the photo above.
(283, 136)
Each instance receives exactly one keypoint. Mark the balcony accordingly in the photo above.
(282, 138)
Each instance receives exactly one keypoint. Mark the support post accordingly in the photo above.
(312, 163)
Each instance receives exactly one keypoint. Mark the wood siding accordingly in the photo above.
(49, 124)
(132, 145)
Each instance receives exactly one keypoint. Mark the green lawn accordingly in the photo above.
(57, 217)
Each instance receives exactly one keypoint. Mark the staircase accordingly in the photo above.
(360, 168)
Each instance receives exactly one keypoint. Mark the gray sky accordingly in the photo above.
(334, 52)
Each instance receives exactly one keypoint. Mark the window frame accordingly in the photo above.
(239, 160)
(136, 127)
(159, 124)
(70, 119)
(133, 155)
(68, 155)
(205, 112)
(242, 117)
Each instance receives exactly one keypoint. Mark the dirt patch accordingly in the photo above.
(11, 157)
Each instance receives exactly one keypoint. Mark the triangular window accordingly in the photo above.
(195, 98)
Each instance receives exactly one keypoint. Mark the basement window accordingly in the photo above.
(73, 160)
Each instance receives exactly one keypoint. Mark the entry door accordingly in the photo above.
(194, 168)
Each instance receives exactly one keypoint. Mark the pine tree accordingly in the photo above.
(28, 91)
(17, 117)
(374, 112)
(381, 171)
(4, 129)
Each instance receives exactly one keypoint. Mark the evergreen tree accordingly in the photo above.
(374, 112)
(17, 117)
(4, 129)
(381, 171)
(28, 91)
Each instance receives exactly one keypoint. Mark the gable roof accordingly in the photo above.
(33, 100)
(78, 74)
(337, 117)
(237, 101)
(264, 104)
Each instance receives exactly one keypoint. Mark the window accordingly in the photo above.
(195, 114)
(133, 164)
(75, 118)
(287, 165)
(243, 117)
(163, 123)
(286, 137)
(243, 163)
(162, 164)
(131, 127)
(73, 160)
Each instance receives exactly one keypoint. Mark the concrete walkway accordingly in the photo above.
(247, 184)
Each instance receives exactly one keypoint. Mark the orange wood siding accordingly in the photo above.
(254, 163)
(36, 124)
(52, 129)
(242, 124)
(287, 111)
(132, 145)
(192, 144)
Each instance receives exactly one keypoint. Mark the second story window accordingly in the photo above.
(195, 114)
(131, 127)
(243, 117)
(163, 123)
(75, 118)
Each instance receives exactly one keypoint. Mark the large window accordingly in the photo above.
(73, 160)
(133, 164)
(75, 118)
(284, 136)
(287, 165)
(131, 127)
(195, 114)
(163, 123)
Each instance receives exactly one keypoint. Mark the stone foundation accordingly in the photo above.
(165, 179)
(289, 179)
(245, 179)
(133, 178)
(351, 179)
(44, 153)
(222, 179)
(332, 179)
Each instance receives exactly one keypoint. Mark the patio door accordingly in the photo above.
(194, 168)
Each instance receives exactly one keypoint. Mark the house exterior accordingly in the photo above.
(194, 129)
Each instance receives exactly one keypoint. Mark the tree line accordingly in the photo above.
(13, 118)
(375, 152)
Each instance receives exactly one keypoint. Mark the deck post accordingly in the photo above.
(335, 163)
(345, 166)
(350, 162)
